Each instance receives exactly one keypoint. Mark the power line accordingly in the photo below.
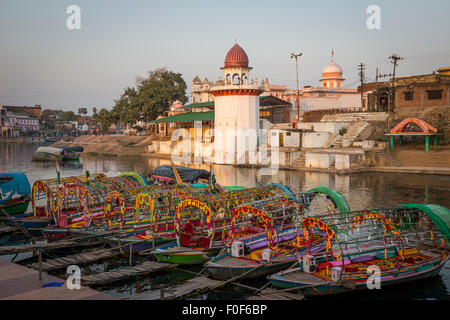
(61, 95)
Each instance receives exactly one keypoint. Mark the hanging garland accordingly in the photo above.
(145, 199)
(198, 204)
(248, 210)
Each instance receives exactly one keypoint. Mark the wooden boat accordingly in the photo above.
(48, 154)
(415, 265)
(402, 244)
(72, 153)
(173, 253)
(259, 258)
(30, 221)
(197, 246)
(15, 193)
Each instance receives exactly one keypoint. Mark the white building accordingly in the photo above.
(236, 117)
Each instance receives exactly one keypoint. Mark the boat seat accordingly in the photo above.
(189, 240)
(205, 242)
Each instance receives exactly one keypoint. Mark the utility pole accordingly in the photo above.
(376, 90)
(361, 69)
(394, 58)
(377, 77)
(298, 90)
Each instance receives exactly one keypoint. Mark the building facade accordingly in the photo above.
(420, 91)
(16, 121)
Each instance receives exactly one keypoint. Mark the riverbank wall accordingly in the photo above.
(332, 160)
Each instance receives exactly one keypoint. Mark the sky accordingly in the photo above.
(43, 62)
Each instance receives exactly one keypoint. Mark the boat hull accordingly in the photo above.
(136, 247)
(332, 289)
(185, 258)
(15, 207)
(226, 273)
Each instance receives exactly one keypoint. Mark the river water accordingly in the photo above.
(364, 190)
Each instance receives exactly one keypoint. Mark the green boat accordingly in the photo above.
(172, 253)
(72, 153)
(15, 193)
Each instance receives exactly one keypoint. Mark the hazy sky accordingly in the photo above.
(43, 62)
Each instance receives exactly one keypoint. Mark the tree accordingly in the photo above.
(82, 111)
(68, 116)
(151, 97)
(94, 110)
(103, 119)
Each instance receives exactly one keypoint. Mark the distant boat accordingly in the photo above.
(15, 193)
(165, 174)
(48, 154)
(72, 153)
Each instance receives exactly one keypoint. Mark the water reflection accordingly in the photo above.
(366, 190)
(362, 190)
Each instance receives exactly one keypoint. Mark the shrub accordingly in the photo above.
(343, 131)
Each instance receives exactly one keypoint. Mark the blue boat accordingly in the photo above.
(15, 193)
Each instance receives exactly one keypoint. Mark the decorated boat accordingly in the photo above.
(280, 243)
(199, 240)
(372, 249)
(15, 193)
(202, 223)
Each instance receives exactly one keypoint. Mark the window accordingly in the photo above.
(409, 95)
(434, 94)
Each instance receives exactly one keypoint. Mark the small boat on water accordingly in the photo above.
(48, 154)
(165, 174)
(72, 153)
(15, 193)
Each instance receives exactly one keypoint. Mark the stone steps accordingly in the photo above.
(353, 132)
(333, 140)
(389, 158)
(352, 117)
(300, 162)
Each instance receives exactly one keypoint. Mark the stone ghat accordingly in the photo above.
(117, 145)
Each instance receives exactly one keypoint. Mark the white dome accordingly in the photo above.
(332, 68)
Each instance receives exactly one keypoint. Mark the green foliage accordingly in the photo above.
(82, 111)
(103, 119)
(151, 98)
(68, 116)
(343, 131)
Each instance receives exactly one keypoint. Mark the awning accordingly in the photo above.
(200, 105)
(186, 117)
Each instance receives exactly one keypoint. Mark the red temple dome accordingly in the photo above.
(236, 57)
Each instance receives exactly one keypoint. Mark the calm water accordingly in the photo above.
(368, 190)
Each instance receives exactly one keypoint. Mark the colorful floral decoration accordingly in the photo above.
(248, 211)
(388, 226)
(198, 204)
(72, 190)
(145, 199)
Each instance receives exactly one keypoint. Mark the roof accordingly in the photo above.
(236, 57)
(270, 101)
(185, 117)
(200, 104)
(264, 101)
